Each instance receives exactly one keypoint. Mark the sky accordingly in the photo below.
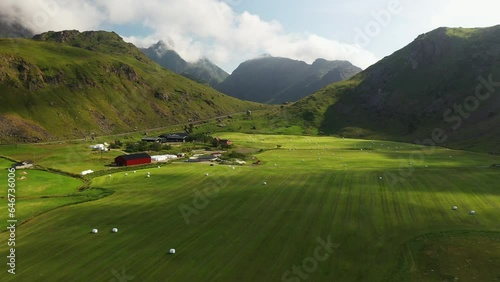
(229, 32)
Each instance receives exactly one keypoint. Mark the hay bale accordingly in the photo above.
(454, 208)
(94, 231)
(114, 230)
(206, 174)
(472, 212)
(264, 183)
(172, 251)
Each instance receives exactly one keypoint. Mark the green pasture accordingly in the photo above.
(72, 157)
(40, 191)
(229, 226)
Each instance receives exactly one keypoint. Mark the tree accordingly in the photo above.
(117, 144)
(155, 147)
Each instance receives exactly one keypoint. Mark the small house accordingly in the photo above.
(222, 142)
(99, 147)
(133, 159)
(23, 165)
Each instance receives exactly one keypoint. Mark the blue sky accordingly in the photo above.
(231, 31)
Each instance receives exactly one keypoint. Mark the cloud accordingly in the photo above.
(456, 13)
(211, 28)
(44, 15)
(196, 28)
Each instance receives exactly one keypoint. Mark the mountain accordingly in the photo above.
(165, 57)
(442, 88)
(202, 70)
(275, 80)
(13, 30)
(206, 71)
(73, 84)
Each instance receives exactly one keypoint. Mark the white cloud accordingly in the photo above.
(456, 13)
(197, 28)
(229, 38)
(44, 15)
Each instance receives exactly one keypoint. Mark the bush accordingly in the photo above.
(132, 147)
(234, 155)
(200, 137)
(117, 144)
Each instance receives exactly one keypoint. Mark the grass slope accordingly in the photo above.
(431, 83)
(53, 90)
(242, 230)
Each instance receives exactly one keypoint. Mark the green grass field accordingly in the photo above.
(229, 226)
(40, 191)
(71, 157)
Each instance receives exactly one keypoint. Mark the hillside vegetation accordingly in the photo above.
(440, 89)
(72, 85)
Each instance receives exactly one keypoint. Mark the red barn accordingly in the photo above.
(133, 159)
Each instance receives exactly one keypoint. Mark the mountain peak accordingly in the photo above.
(269, 79)
(203, 70)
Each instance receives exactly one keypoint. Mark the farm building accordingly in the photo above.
(133, 159)
(152, 139)
(23, 165)
(163, 158)
(174, 137)
(100, 147)
(216, 154)
(222, 142)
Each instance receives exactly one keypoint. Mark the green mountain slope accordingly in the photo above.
(52, 90)
(276, 80)
(436, 86)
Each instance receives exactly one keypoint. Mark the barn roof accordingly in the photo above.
(175, 135)
(135, 156)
